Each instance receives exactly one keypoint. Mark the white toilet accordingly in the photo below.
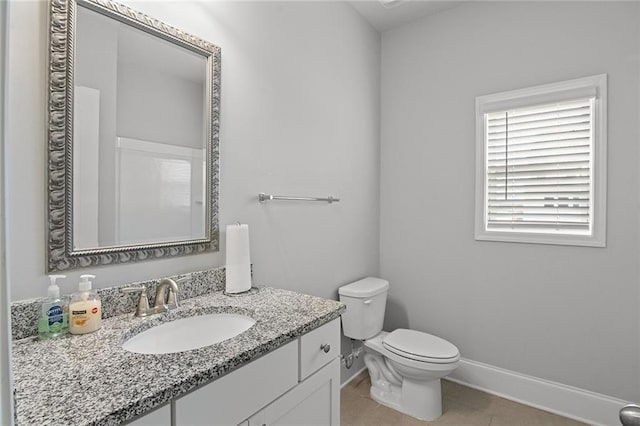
(405, 366)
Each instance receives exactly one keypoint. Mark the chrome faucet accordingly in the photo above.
(171, 299)
(165, 300)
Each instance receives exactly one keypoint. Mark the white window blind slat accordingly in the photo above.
(563, 143)
(539, 160)
(565, 227)
(538, 218)
(541, 167)
(550, 190)
(524, 204)
(538, 167)
(567, 129)
(547, 183)
(538, 116)
(538, 152)
(568, 198)
(539, 209)
(541, 138)
(499, 126)
(545, 174)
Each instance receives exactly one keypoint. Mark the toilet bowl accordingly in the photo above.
(405, 365)
(409, 382)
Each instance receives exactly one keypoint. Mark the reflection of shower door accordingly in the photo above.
(159, 192)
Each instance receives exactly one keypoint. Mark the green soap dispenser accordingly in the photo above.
(53, 314)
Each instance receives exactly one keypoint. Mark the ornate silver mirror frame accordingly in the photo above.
(61, 253)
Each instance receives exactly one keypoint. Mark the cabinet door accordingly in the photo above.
(314, 402)
(159, 417)
(232, 398)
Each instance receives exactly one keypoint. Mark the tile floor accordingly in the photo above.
(462, 406)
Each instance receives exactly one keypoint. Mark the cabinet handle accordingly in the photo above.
(325, 347)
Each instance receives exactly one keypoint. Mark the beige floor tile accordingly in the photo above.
(462, 406)
(455, 412)
(540, 421)
(475, 399)
(384, 416)
(362, 386)
(357, 380)
(355, 409)
(510, 412)
(448, 387)
(411, 421)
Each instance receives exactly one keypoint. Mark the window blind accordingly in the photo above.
(539, 168)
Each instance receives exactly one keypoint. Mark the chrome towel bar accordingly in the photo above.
(262, 197)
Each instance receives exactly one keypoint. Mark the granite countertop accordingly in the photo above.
(90, 380)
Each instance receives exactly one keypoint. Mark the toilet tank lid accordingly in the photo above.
(366, 287)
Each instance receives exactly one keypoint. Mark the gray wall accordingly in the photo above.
(567, 314)
(300, 115)
(173, 105)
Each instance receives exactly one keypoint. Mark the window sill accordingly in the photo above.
(542, 238)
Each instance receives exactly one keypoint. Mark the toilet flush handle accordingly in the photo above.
(367, 302)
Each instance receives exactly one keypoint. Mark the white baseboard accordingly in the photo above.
(578, 404)
(350, 379)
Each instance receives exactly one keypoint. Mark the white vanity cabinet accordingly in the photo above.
(158, 417)
(295, 384)
(315, 401)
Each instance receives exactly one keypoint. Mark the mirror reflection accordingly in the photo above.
(133, 128)
(139, 137)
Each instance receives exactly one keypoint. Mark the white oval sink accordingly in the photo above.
(188, 333)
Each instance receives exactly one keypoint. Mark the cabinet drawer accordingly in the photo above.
(314, 344)
(232, 398)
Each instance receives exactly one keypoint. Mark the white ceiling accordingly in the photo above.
(384, 18)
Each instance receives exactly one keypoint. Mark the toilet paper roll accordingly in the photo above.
(238, 261)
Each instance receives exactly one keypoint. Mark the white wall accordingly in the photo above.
(566, 314)
(300, 115)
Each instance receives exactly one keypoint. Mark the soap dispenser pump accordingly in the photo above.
(85, 308)
(53, 313)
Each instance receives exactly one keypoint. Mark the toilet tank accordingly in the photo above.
(366, 300)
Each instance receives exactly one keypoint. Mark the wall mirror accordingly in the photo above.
(132, 137)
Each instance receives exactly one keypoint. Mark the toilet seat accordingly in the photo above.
(419, 346)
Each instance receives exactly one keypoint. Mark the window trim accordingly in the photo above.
(540, 95)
